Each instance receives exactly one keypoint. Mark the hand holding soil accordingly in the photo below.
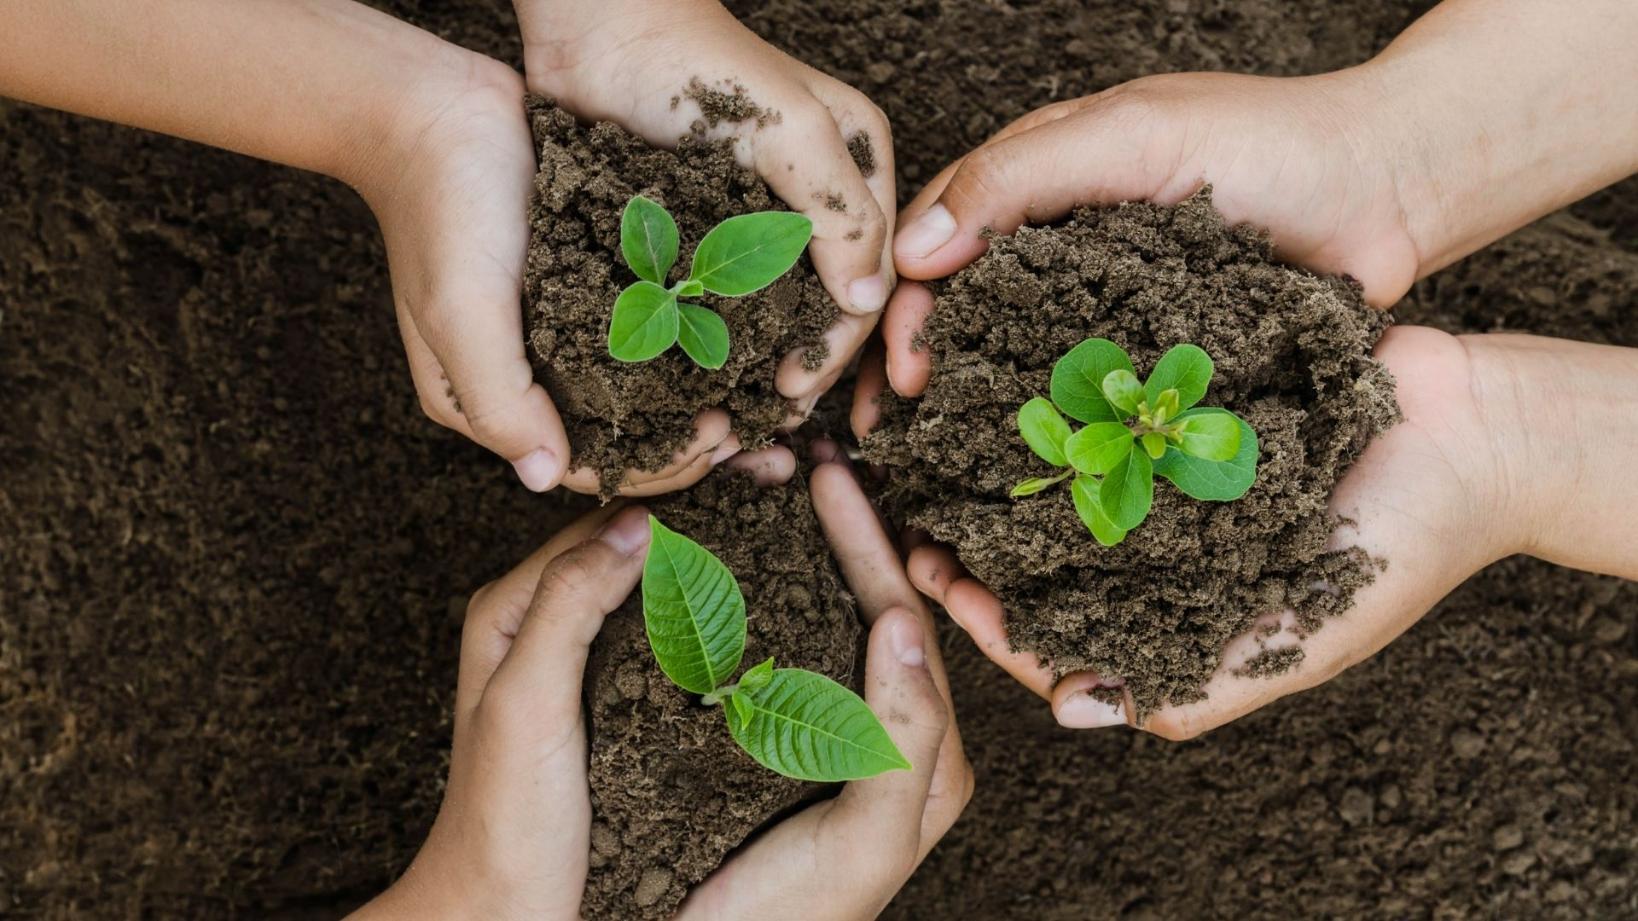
(513, 837)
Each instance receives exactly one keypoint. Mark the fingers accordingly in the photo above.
(908, 366)
(868, 388)
(806, 162)
(712, 444)
(937, 573)
(842, 341)
(769, 467)
(467, 357)
(540, 676)
(1038, 174)
(867, 557)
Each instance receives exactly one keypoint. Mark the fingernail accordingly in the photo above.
(538, 469)
(1083, 711)
(868, 294)
(922, 236)
(906, 641)
(626, 532)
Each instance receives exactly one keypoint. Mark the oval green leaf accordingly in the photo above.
(1154, 444)
(648, 239)
(1129, 490)
(806, 726)
(1185, 368)
(1213, 481)
(703, 335)
(757, 676)
(644, 323)
(1089, 506)
(1097, 448)
(1123, 391)
(1077, 380)
(693, 611)
(1213, 436)
(1035, 484)
(1044, 430)
(746, 253)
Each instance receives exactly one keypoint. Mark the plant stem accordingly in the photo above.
(715, 698)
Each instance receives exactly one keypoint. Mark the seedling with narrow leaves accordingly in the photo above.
(743, 254)
(792, 721)
(1134, 431)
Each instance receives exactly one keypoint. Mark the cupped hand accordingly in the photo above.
(644, 65)
(513, 836)
(1465, 479)
(1286, 154)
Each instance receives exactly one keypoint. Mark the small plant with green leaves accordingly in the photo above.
(743, 254)
(1135, 430)
(792, 721)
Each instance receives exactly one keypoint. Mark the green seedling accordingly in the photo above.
(743, 254)
(792, 721)
(1134, 430)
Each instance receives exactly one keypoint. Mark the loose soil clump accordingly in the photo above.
(672, 793)
(1292, 353)
(636, 416)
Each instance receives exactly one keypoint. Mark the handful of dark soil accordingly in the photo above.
(671, 792)
(1292, 355)
(635, 416)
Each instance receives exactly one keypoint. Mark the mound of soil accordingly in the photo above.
(623, 416)
(1292, 354)
(672, 793)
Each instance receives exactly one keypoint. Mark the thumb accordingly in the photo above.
(577, 590)
(1097, 154)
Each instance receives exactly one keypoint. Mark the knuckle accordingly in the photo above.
(1174, 727)
(979, 178)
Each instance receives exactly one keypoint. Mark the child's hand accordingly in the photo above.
(644, 64)
(513, 837)
(1504, 440)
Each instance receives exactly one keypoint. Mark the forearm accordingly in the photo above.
(317, 84)
(1565, 415)
(1496, 112)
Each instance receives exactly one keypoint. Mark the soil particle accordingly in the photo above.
(671, 792)
(731, 106)
(636, 416)
(863, 154)
(1292, 354)
(1271, 662)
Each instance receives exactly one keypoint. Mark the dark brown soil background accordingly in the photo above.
(233, 555)
(1291, 354)
(623, 416)
(671, 792)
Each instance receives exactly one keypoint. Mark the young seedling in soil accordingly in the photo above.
(1135, 430)
(742, 254)
(792, 721)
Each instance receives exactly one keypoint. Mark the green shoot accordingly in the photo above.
(740, 255)
(791, 721)
(1134, 431)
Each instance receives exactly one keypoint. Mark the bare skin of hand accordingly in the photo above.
(640, 64)
(1501, 437)
(513, 837)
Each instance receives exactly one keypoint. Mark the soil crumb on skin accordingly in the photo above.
(1292, 354)
(863, 154)
(672, 793)
(732, 106)
(1271, 662)
(636, 416)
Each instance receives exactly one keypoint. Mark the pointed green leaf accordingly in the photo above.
(742, 707)
(747, 252)
(1129, 490)
(693, 610)
(1154, 444)
(648, 239)
(1213, 481)
(1090, 507)
(1185, 368)
(644, 323)
(1077, 380)
(1044, 430)
(690, 288)
(1099, 447)
(1123, 391)
(807, 726)
(1167, 406)
(703, 335)
(1213, 436)
(757, 676)
(1035, 484)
